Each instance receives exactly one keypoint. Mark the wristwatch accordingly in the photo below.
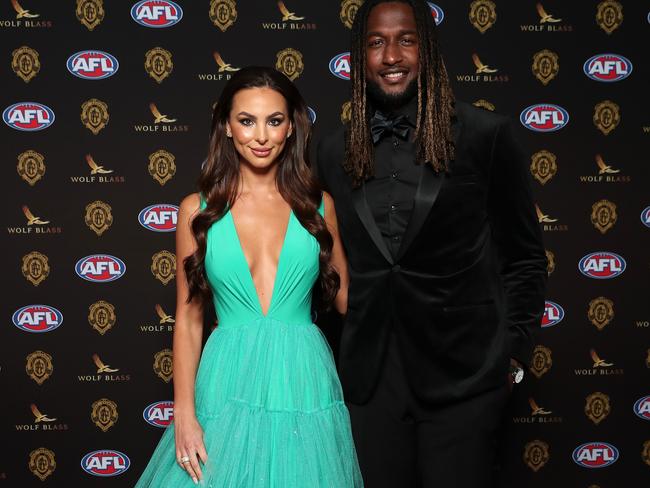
(517, 373)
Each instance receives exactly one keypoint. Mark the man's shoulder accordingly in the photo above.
(479, 118)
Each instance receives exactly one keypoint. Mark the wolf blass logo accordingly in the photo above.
(600, 367)
(483, 73)
(546, 22)
(161, 123)
(25, 18)
(42, 422)
(35, 225)
(538, 415)
(224, 72)
(165, 322)
(97, 174)
(290, 20)
(104, 373)
(607, 173)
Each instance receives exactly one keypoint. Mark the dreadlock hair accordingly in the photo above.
(435, 98)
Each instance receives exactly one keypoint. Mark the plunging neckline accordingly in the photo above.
(248, 269)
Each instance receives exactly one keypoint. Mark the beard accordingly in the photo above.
(391, 101)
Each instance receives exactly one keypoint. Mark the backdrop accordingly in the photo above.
(106, 109)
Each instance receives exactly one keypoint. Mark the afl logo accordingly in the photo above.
(37, 318)
(553, 314)
(595, 455)
(645, 216)
(28, 116)
(607, 67)
(438, 14)
(312, 114)
(544, 117)
(157, 13)
(100, 268)
(340, 66)
(159, 414)
(159, 218)
(602, 265)
(105, 463)
(92, 65)
(642, 407)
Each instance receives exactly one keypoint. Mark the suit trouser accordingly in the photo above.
(402, 443)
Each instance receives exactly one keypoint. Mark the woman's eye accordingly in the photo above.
(246, 122)
(275, 122)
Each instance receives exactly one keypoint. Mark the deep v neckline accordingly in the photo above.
(248, 269)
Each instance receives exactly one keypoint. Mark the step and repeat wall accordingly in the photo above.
(106, 109)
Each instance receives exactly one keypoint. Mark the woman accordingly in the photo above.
(265, 408)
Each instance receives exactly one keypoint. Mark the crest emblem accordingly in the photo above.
(603, 215)
(94, 115)
(223, 13)
(545, 66)
(39, 366)
(601, 312)
(536, 454)
(543, 166)
(42, 463)
(90, 12)
(101, 316)
(550, 262)
(31, 166)
(289, 62)
(162, 364)
(158, 63)
(104, 413)
(607, 116)
(541, 362)
(162, 166)
(25, 63)
(346, 112)
(35, 267)
(482, 14)
(98, 216)
(163, 266)
(609, 15)
(348, 12)
(597, 407)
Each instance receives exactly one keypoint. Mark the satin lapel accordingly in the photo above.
(425, 196)
(368, 221)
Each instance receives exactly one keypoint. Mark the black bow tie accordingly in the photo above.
(380, 125)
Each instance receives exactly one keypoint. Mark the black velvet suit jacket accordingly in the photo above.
(466, 288)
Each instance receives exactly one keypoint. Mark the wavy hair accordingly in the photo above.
(220, 179)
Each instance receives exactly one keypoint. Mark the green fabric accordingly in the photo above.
(267, 393)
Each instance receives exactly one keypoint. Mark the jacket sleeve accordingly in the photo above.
(518, 238)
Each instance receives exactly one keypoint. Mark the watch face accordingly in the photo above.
(518, 375)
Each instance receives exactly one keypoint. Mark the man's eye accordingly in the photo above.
(374, 42)
(408, 41)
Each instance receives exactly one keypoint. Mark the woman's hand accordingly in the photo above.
(189, 446)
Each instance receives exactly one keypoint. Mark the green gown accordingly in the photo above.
(267, 393)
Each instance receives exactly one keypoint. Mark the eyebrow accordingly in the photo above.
(251, 116)
(401, 33)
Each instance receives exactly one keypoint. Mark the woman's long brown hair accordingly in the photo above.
(220, 180)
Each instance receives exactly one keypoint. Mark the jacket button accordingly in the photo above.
(396, 268)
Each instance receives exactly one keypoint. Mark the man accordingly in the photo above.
(446, 262)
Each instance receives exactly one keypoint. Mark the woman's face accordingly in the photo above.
(259, 125)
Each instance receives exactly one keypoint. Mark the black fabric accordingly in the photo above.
(466, 288)
(390, 191)
(404, 443)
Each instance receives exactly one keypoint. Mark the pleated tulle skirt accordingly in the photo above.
(271, 407)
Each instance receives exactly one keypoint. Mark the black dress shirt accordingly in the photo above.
(391, 191)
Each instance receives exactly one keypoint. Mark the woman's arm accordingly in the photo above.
(188, 331)
(338, 259)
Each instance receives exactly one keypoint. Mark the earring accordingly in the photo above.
(228, 133)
